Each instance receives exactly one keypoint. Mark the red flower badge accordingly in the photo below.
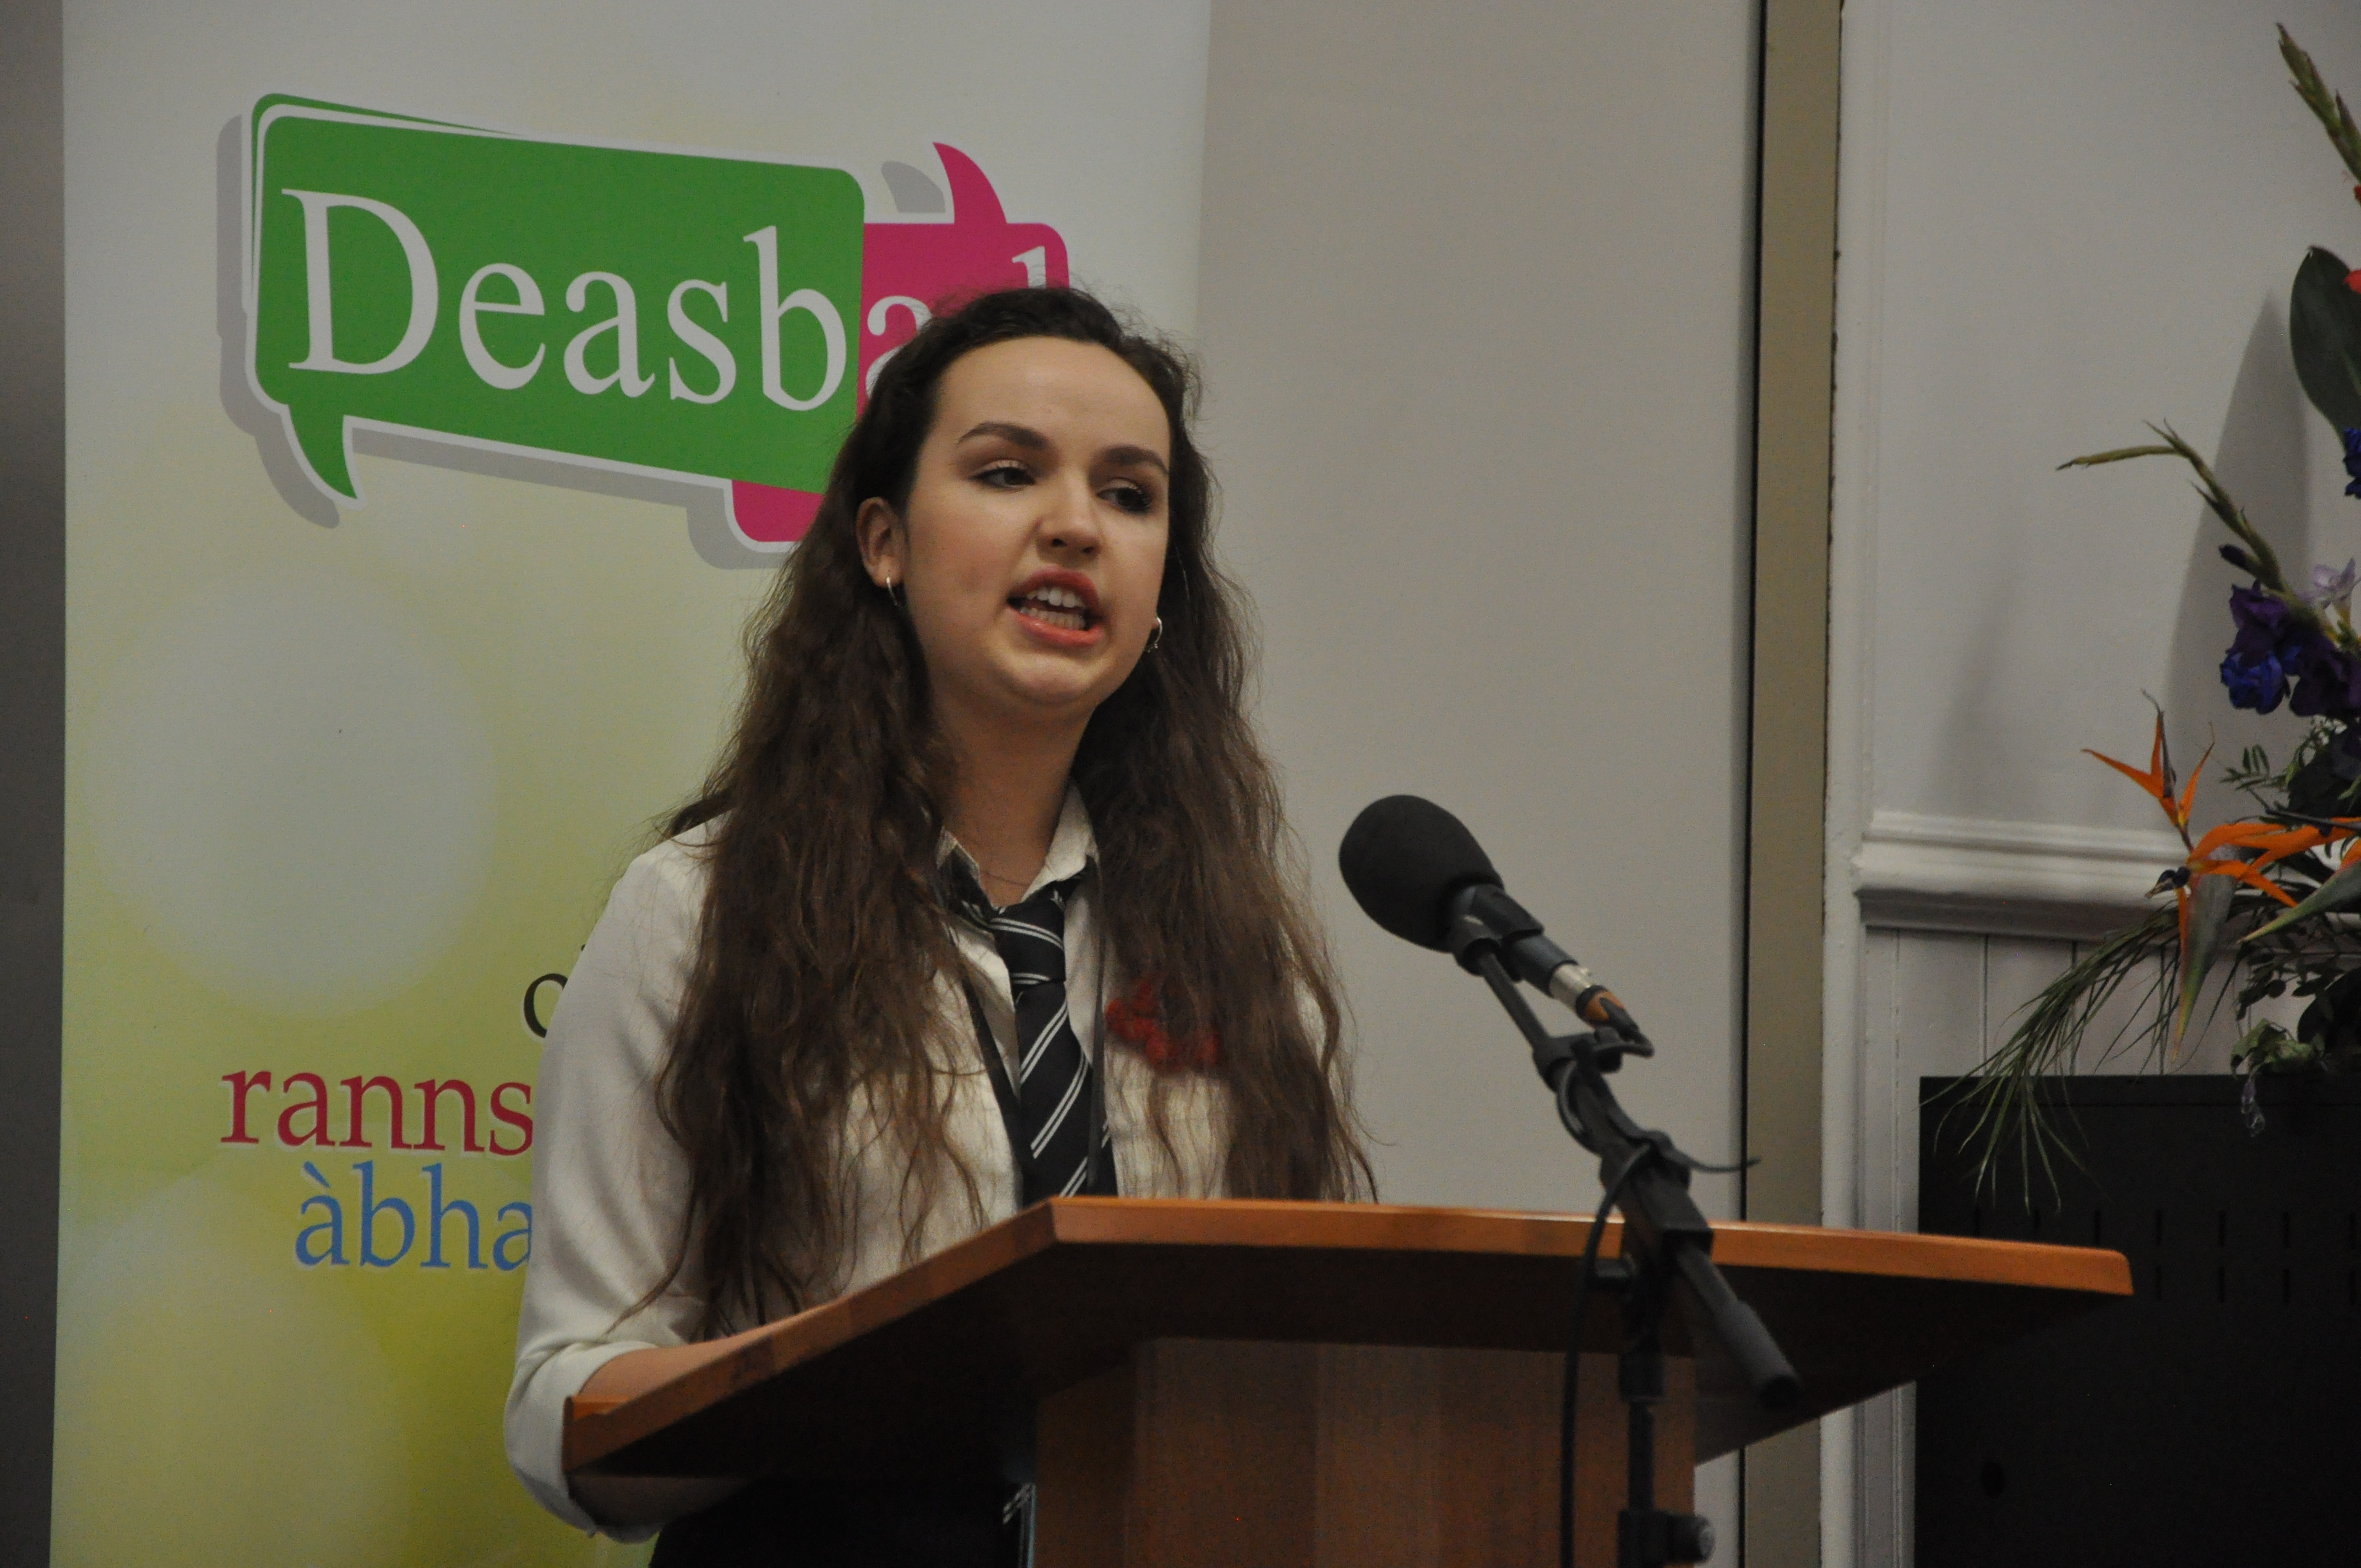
(1136, 1019)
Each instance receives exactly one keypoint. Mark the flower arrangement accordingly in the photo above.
(2272, 901)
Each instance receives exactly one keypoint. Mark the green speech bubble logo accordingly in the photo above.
(684, 314)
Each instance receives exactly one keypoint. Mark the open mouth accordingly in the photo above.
(1053, 605)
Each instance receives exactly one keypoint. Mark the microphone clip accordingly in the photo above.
(1469, 938)
(1556, 1054)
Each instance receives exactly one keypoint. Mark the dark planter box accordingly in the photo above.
(2215, 1418)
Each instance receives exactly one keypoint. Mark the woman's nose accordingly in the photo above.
(1071, 521)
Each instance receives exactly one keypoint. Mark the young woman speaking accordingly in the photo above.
(987, 901)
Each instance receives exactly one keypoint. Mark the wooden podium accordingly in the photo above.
(1240, 1384)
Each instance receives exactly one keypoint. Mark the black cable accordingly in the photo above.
(1567, 1411)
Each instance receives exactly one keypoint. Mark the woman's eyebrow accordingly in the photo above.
(1021, 436)
(1129, 455)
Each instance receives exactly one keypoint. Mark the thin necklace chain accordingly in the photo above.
(1019, 884)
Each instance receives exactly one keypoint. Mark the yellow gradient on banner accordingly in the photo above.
(338, 795)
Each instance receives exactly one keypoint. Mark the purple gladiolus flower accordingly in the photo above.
(2263, 620)
(2331, 587)
(2259, 685)
(2270, 649)
(2353, 461)
(2327, 682)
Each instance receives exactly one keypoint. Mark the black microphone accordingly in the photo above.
(1415, 870)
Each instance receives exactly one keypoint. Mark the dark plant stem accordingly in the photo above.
(2219, 502)
(2329, 106)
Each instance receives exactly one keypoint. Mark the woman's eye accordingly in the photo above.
(1005, 475)
(1131, 498)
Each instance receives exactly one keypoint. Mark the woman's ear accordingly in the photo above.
(881, 552)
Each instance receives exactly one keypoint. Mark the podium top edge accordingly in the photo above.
(1737, 1244)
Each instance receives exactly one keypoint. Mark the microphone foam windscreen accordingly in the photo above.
(1403, 858)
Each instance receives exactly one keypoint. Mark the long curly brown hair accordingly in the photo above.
(823, 934)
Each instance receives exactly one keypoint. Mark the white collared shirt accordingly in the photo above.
(608, 1184)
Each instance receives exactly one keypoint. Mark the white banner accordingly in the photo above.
(348, 781)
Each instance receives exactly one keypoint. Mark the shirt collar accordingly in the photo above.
(1073, 849)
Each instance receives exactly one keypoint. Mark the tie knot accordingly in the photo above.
(1030, 935)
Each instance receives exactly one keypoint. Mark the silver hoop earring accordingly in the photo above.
(1155, 635)
(893, 595)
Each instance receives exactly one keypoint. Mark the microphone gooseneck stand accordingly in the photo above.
(1666, 1239)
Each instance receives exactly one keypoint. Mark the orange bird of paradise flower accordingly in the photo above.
(2243, 849)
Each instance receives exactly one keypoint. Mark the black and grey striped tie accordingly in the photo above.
(1053, 1087)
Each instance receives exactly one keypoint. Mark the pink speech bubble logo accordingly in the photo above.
(906, 269)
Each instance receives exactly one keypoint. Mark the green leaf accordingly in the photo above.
(2001, 1103)
(2339, 891)
(2209, 912)
(2324, 330)
(2267, 1047)
(2092, 459)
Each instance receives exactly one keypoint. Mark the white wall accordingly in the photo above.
(2056, 222)
(1475, 317)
